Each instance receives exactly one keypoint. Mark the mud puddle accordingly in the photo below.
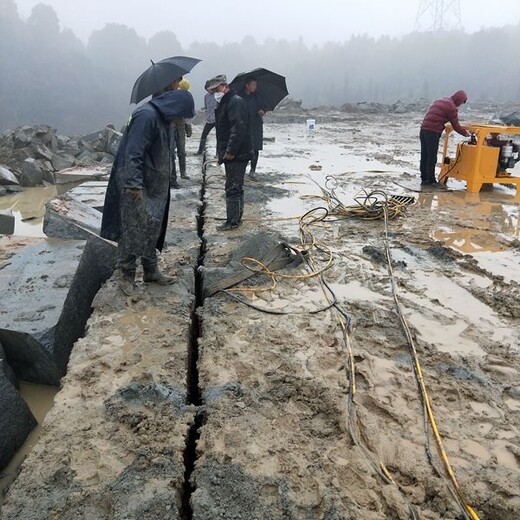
(28, 207)
(40, 399)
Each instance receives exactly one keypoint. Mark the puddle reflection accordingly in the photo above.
(484, 219)
(28, 207)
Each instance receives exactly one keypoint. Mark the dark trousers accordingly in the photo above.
(254, 161)
(139, 236)
(180, 141)
(208, 127)
(235, 172)
(429, 149)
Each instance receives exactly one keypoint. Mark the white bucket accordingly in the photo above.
(311, 124)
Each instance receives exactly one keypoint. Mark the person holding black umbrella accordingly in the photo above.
(137, 200)
(257, 110)
(234, 147)
(263, 90)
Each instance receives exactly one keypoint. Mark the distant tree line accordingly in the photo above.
(47, 75)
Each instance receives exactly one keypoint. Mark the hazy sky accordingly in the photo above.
(317, 21)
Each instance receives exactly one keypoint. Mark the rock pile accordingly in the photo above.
(399, 107)
(30, 155)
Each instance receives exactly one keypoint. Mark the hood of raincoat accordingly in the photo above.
(174, 103)
(459, 97)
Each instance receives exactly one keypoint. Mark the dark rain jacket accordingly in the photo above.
(445, 111)
(233, 128)
(144, 161)
(255, 103)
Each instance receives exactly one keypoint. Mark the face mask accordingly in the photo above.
(218, 96)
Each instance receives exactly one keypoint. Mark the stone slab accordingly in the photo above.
(68, 218)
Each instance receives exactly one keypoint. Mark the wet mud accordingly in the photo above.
(279, 424)
(198, 406)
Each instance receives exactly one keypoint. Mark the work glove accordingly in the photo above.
(135, 194)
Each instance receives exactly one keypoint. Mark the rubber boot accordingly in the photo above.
(156, 276)
(182, 167)
(241, 211)
(127, 282)
(202, 145)
(233, 214)
(173, 176)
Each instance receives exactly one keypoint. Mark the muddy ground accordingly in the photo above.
(281, 429)
(271, 436)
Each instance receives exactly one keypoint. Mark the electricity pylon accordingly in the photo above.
(438, 15)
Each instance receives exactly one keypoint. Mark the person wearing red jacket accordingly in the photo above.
(442, 111)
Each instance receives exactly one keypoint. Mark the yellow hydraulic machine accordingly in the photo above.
(485, 159)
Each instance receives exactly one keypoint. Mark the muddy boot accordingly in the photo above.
(127, 283)
(202, 145)
(157, 277)
(182, 167)
(233, 215)
(241, 211)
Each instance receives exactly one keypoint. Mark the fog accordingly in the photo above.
(80, 78)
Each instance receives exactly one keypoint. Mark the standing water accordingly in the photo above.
(28, 207)
(40, 399)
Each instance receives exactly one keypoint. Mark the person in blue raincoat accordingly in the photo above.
(257, 109)
(138, 195)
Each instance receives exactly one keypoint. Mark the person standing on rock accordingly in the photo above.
(138, 194)
(257, 111)
(234, 148)
(210, 105)
(442, 111)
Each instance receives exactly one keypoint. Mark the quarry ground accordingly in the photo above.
(180, 405)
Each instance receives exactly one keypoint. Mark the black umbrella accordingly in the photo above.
(160, 75)
(271, 86)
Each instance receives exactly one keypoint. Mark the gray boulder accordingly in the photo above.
(104, 158)
(32, 173)
(48, 172)
(72, 147)
(7, 177)
(94, 142)
(62, 141)
(16, 421)
(63, 161)
(86, 158)
(6, 222)
(24, 136)
(42, 152)
(19, 156)
(113, 138)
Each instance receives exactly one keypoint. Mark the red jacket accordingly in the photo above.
(443, 111)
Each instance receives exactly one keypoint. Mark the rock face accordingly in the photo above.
(34, 153)
(16, 420)
(46, 304)
(5, 369)
(124, 403)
